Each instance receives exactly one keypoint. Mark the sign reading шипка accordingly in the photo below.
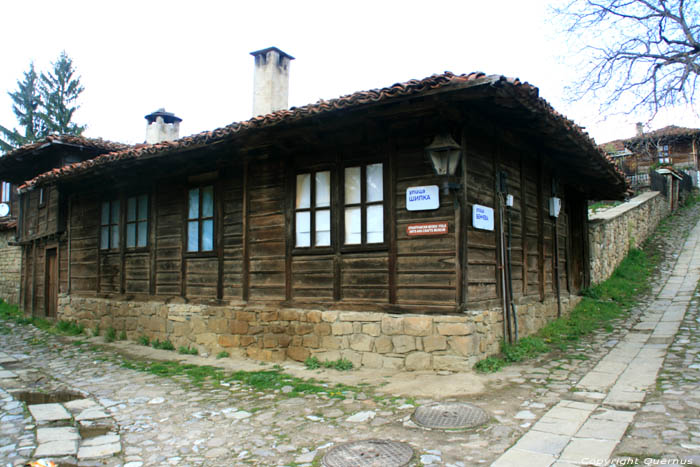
(428, 228)
(422, 198)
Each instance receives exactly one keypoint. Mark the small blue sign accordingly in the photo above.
(482, 217)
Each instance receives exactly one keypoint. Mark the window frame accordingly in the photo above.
(42, 197)
(663, 154)
(109, 225)
(312, 209)
(363, 204)
(200, 220)
(337, 207)
(5, 192)
(147, 220)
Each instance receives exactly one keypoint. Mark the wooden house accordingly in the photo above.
(38, 222)
(395, 227)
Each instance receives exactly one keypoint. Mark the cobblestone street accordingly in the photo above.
(601, 401)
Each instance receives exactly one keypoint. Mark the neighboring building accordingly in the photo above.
(373, 226)
(42, 217)
(10, 255)
(671, 145)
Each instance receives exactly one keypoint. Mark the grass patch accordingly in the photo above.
(187, 350)
(110, 335)
(313, 363)
(165, 345)
(600, 305)
(263, 380)
(144, 340)
(223, 354)
(69, 328)
(96, 330)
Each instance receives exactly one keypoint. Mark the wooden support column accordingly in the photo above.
(462, 228)
(337, 237)
(219, 226)
(245, 240)
(523, 222)
(153, 239)
(183, 190)
(392, 222)
(540, 226)
(69, 227)
(289, 189)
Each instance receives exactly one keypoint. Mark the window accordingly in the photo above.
(200, 219)
(42, 197)
(5, 192)
(109, 225)
(312, 210)
(364, 205)
(664, 154)
(137, 221)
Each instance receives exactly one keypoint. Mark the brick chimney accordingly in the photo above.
(640, 129)
(162, 126)
(271, 81)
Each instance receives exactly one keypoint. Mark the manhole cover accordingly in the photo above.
(450, 415)
(369, 453)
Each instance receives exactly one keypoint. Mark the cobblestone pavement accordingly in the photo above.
(122, 416)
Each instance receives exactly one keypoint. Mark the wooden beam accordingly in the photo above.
(391, 221)
(245, 279)
(540, 226)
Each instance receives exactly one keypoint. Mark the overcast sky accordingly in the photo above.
(193, 57)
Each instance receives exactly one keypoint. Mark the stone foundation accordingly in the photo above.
(10, 264)
(370, 339)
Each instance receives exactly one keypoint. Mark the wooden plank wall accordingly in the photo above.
(426, 270)
(266, 230)
(423, 270)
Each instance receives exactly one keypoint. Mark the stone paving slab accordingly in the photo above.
(6, 374)
(48, 412)
(57, 449)
(523, 458)
(64, 433)
(580, 450)
(99, 451)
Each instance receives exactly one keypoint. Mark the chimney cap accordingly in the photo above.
(265, 51)
(168, 117)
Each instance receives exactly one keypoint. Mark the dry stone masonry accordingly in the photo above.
(10, 263)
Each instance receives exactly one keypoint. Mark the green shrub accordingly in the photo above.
(187, 350)
(165, 345)
(69, 328)
(111, 334)
(223, 354)
(122, 336)
(96, 330)
(144, 340)
(341, 364)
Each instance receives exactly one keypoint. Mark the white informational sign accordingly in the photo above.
(482, 217)
(422, 198)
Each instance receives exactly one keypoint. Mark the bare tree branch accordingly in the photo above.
(643, 53)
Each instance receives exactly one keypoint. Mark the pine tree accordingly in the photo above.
(60, 89)
(27, 108)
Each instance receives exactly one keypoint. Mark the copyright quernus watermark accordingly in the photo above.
(621, 461)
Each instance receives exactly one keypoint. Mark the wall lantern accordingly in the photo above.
(444, 153)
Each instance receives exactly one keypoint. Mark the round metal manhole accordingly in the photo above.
(369, 453)
(450, 416)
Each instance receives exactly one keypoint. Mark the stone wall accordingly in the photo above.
(10, 265)
(371, 339)
(612, 232)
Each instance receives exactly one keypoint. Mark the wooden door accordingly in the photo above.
(51, 283)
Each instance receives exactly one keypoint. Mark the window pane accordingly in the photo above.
(303, 229)
(323, 189)
(143, 207)
(104, 238)
(105, 213)
(323, 228)
(352, 185)
(353, 226)
(193, 203)
(375, 224)
(375, 183)
(208, 201)
(208, 235)
(130, 235)
(130, 210)
(114, 238)
(303, 200)
(115, 212)
(193, 236)
(142, 234)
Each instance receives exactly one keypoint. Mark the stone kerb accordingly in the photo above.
(371, 339)
(614, 231)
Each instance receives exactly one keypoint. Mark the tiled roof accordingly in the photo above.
(526, 94)
(671, 130)
(97, 143)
